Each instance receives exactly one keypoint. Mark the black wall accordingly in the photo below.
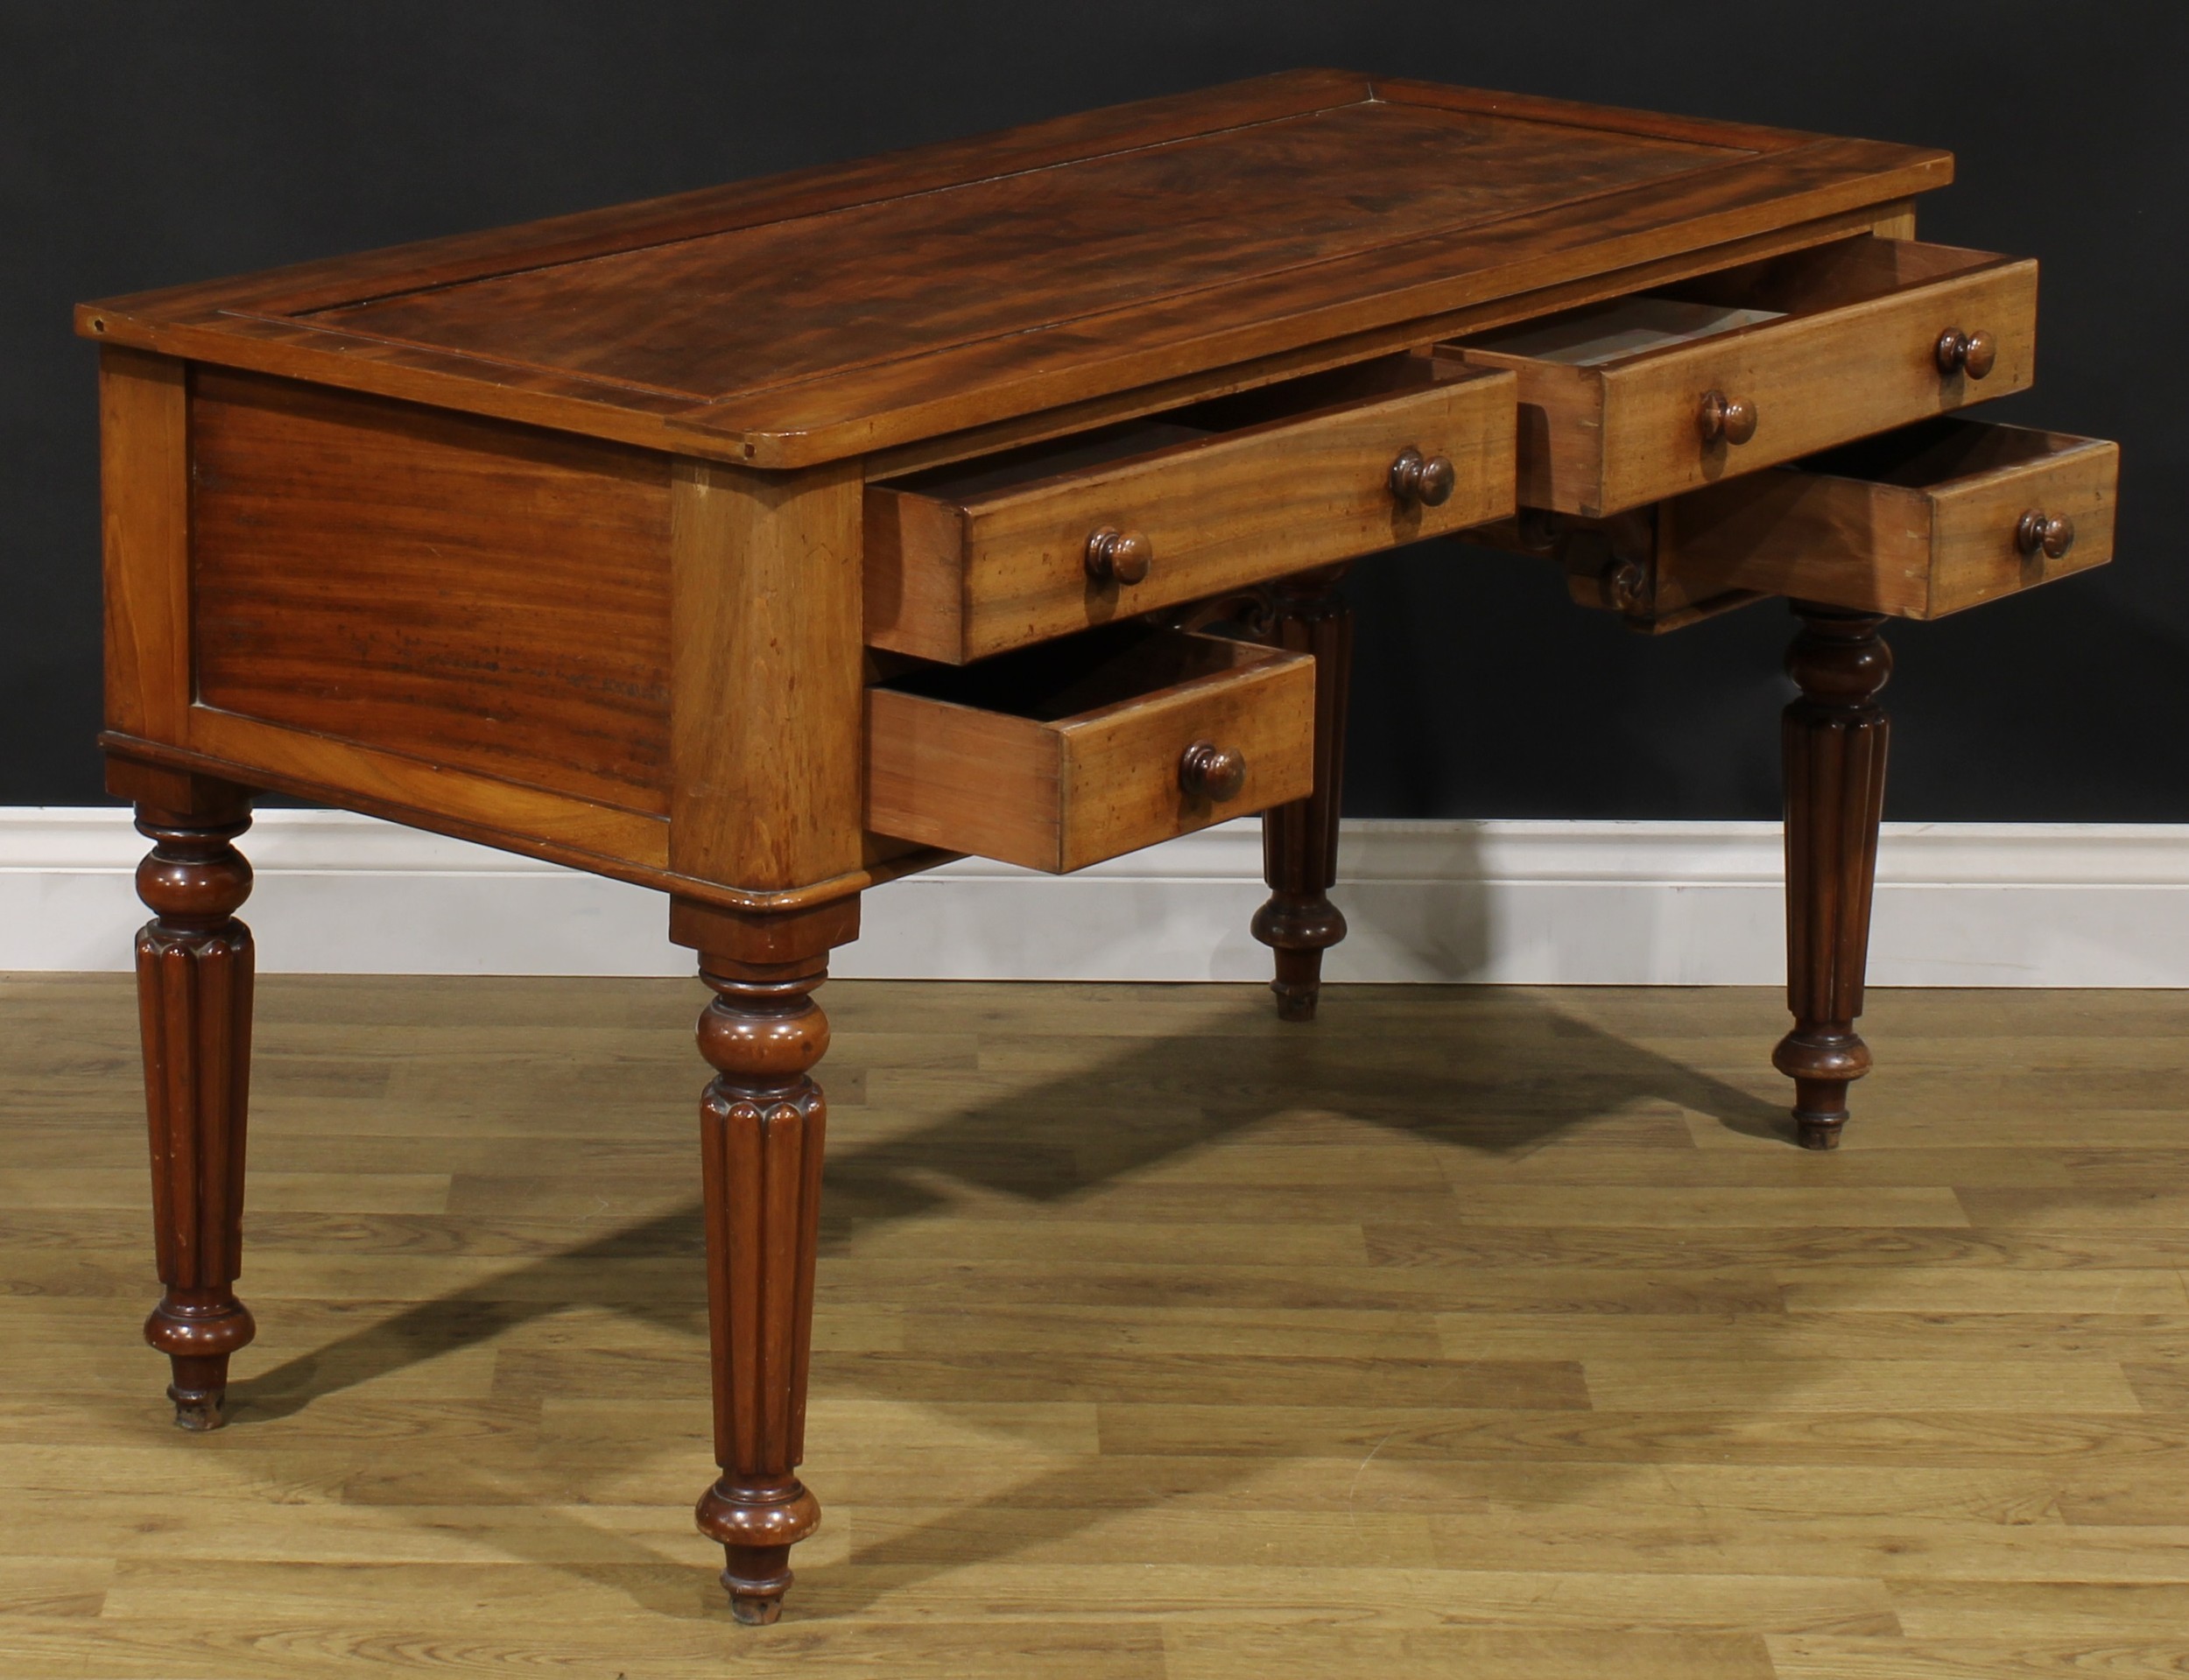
(145, 144)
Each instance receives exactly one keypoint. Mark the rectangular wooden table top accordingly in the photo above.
(1314, 215)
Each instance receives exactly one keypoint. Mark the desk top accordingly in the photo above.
(844, 310)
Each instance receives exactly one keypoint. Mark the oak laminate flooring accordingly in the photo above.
(1469, 1332)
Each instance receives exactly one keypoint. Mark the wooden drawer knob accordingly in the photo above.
(1430, 480)
(1119, 556)
(1973, 354)
(1208, 771)
(2055, 535)
(1725, 418)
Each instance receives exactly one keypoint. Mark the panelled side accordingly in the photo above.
(483, 597)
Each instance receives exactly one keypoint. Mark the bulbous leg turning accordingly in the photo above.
(757, 1523)
(198, 1330)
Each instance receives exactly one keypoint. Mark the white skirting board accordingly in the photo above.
(1647, 903)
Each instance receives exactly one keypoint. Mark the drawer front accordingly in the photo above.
(1919, 523)
(1058, 762)
(1855, 349)
(960, 567)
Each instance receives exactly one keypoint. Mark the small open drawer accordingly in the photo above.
(1630, 401)
(1061, 756)
(993, 553)
(1917, 523)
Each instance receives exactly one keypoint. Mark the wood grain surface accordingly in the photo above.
(990, 554)
(811, 318)
(1917, 523)
(479, 595)
(1060, 756)
(774, 304)
(144, 490)
(1469, 1332)
(765, 668)
(1310, 615)
(1167, 391)
(1854, 355)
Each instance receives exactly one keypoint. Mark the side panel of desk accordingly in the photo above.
(477, 627)
(487, 597)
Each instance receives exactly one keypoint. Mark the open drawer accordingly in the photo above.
(1917, 523)
(1645, 396)
(1061, 756)
(993, 553)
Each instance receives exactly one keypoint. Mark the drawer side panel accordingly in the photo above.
(1912, 550)
(1560, 433)
(914, 575)
(1838, 541)
(965, 779)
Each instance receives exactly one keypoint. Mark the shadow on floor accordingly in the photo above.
(1501, 1073)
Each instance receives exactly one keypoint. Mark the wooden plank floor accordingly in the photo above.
(1471, 1332)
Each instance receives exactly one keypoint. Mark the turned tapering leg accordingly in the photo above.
(1299, 841)
(762, 1122)
(1834, 737)
(193, 990)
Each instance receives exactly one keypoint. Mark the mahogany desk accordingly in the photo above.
(767, 542)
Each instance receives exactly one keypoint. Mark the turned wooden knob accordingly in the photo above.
(1973, 354)
(1731, 419)
(1430, 480)
(1208, 771)
(1119, 556)
(2055, 535)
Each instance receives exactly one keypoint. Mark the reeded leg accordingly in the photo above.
(1299, 841)
(194, 989)
(762, 1123)
(1835, 740)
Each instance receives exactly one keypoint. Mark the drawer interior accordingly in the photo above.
(1606, 332)
(1081, 676)
(1831, 277)
(1937, 451)
(1286, 400)
(1754, 294)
